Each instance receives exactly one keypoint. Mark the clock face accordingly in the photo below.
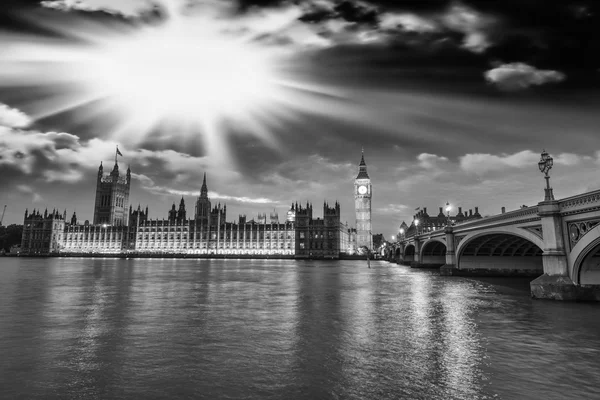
(362, 189)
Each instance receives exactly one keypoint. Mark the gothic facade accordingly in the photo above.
(43, 233)
(363, 191)
(207, 233)
(112, 197)
(320, 238)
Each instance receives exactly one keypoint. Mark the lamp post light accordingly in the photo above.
(545, 165)
(417, 225)
(401, 233)
(448, 209)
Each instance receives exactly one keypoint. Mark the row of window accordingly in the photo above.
(204, 236)
(316, 245)
(105, 201)
(220, 246)
(205, 229)
(317, 235)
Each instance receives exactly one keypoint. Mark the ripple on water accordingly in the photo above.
(242, 329)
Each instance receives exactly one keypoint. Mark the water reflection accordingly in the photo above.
(274, 329)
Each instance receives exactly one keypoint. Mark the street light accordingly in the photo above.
(545, 165)
(417, 225)
(448, 209)
(402, 232)
(393, 237)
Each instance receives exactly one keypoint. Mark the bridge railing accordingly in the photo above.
(579, 200)
(516, 214)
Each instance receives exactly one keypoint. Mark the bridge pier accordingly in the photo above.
(450, 266)
(555, 283)
(416, 262)
(400, 257)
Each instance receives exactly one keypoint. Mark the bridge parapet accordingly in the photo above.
(580, 203)
(521, 214)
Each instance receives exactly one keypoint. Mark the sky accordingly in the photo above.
(452, 101)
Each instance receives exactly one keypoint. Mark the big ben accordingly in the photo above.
(362, 205)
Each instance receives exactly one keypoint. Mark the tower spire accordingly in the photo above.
(362, 167)
(204, 190)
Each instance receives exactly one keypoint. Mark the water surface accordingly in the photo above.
(275, 329)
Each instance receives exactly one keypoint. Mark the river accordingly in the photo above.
(284, 329)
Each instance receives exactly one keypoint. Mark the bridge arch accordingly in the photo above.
(433, 253)
(501, 252)
(409, 253)
(397, 254)
(585, 269)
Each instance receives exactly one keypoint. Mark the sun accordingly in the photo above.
(182, 72)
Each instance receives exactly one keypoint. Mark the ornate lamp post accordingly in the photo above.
(417, 225)
(545, 164)
(448, 209)
(401, 236)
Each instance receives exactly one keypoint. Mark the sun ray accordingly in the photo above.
(190, 72)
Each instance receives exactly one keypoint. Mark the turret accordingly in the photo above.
(181, 214)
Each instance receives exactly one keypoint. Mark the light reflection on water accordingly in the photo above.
(106, 328)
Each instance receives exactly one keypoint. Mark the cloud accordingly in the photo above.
(64, 157)
(519, 76)
(143, 179)
(430, 161)
(408, 22)
(26, 189)
(570, 159)
(13, 118)
(127, 8)
(481, 164)
(475, 25)
(394, 209)
(430, 168)
(244, 199)
(150, 185)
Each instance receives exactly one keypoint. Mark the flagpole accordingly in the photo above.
(116, 153)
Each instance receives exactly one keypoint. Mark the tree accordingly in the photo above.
(10, 235)
(378, 240)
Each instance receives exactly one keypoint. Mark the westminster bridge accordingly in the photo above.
(556, 241)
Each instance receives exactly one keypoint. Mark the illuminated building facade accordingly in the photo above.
(118, 230)
(363, 191)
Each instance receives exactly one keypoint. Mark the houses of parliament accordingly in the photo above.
(119, 229)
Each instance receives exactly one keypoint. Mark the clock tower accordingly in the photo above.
(362, 206)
